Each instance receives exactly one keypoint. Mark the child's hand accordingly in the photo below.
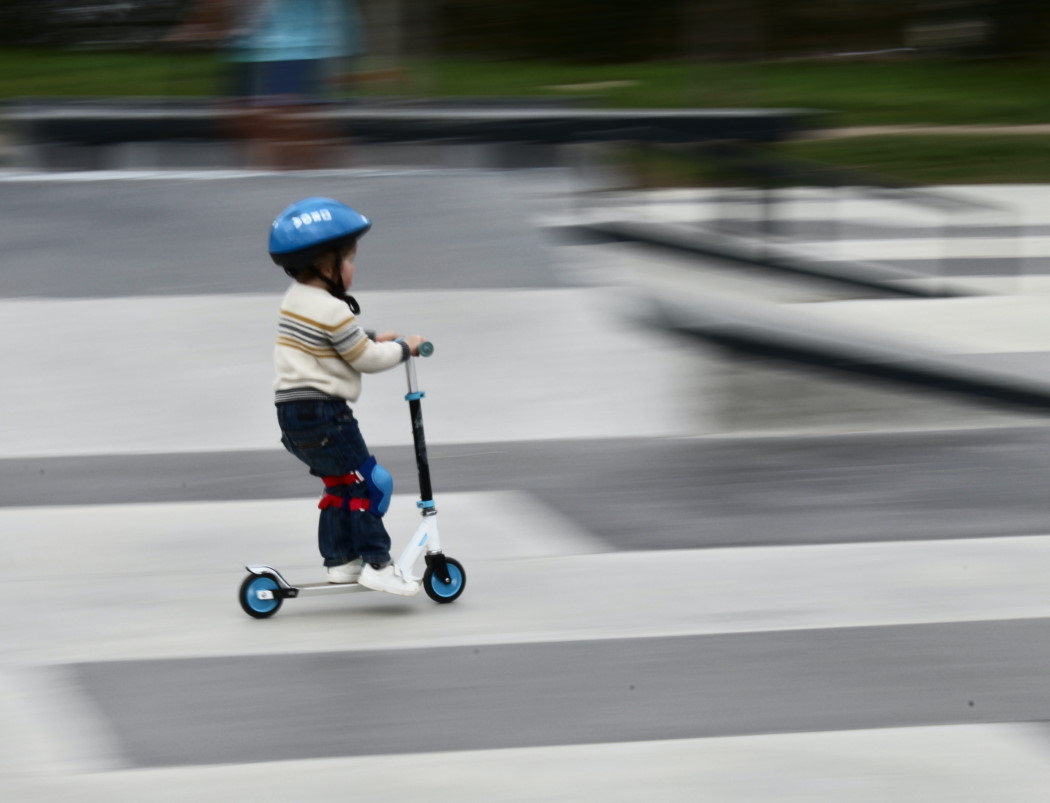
(414, 342)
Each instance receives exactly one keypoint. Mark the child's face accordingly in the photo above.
(346, 265)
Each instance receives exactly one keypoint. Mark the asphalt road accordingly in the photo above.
(335, 696)
(663, 493)
(627, 690)
(86, 239)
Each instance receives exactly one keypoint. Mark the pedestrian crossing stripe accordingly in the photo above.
(535, 576)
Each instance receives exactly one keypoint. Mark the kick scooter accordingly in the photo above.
(265, 589)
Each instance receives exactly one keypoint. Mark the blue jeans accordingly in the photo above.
(325, 436)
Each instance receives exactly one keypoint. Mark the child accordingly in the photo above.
(320, 355)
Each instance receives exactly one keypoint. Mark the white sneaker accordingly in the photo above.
(389, 579)
(347, 573)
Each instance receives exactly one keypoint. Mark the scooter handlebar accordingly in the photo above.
(426, 348)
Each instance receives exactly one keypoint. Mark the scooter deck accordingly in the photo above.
(316, 589)
(292, 590)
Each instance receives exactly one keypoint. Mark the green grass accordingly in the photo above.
(950, 159)
(926, 159)
(35, 73)
(648, 85)
(890, 93)
(920, 92)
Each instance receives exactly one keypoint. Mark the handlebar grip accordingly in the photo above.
(426, 348)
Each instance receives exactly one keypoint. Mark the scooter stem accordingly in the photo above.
(415, 409)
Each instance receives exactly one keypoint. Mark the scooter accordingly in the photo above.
(265, 589)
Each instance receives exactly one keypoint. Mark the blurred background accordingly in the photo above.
(919, 63)
(737, 417)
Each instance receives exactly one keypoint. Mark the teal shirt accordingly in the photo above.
(292, 30)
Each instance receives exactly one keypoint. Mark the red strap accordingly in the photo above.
(331, 500)
(346, 479)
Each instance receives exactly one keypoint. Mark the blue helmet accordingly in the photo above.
(310, 227)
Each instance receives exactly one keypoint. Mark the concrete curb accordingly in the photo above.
(763, 254)
(786, 335)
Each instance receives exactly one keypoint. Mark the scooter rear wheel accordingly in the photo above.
(440, 591)
(249, 596)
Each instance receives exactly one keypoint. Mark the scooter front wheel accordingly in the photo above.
(255, 606)
(440, 591)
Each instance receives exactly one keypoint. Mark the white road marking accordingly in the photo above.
(197, 375)
(50, 727)
(980, 325)
(944, 764)
(133, 578)
(958, 246)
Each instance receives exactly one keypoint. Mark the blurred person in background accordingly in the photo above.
(283, 55)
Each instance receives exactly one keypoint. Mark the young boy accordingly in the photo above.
(320, 355)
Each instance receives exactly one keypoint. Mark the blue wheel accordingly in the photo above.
(440, 591)
(249, 596)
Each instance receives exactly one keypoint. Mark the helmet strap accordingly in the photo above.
(334, 285)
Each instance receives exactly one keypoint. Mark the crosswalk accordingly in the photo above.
(165, 592)
(540, 576)
(574, 668)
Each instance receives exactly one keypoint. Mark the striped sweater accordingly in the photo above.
(321, 351)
